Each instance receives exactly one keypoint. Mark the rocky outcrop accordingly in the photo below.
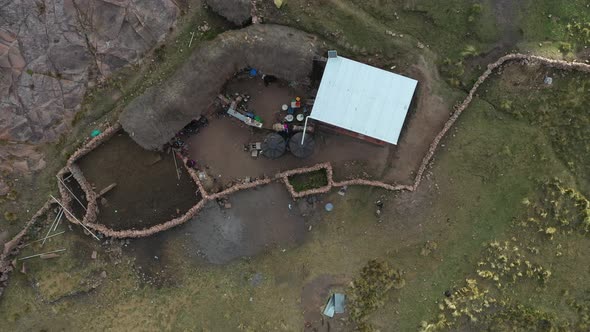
(236, 11)
(50, 49)
(154, 117)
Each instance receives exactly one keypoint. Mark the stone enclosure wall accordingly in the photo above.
(12, 247)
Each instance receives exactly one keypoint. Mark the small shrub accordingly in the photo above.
(579, 33)
(160, 53)
(506, 105)
(368, 291)
(474, 12)
(11, 217)
(565, 48)
(12, 195)
(469, 50)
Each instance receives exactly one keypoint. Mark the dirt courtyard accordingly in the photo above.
(226, 160)
(148, 191)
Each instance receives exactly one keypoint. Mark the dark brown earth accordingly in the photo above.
(148, 191)
(226, 159)
(425, 119)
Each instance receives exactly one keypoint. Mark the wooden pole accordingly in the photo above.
(192, 36)
(49, 237)
(106, 190)
(76, 198)
(59, 213)
(45, 253)
(175, 164)
(73, 216)
(58, 220)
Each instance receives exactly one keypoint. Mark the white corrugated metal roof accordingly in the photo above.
(363, 99)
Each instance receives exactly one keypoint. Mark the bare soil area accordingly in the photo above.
(219, 147)
(148, 191)
(426, 117)
(258, 220)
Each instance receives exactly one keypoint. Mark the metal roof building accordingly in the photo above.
(363, 99)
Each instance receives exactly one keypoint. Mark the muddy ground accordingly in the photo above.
(148, 191)
(258, 220)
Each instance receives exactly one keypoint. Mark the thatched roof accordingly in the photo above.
(154, 117)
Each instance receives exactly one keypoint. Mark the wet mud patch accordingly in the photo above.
(148, 189)
(256, 220)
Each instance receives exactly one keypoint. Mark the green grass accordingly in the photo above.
(446, 26)
(559, 110)
(307, 181)
(548, 19)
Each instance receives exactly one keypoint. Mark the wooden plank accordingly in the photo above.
(106, 189)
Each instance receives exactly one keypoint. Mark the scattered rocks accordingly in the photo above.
(94, 254)
(239, 12)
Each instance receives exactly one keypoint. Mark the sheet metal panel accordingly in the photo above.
(363, 99)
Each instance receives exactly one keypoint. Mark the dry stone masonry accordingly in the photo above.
(11, 248)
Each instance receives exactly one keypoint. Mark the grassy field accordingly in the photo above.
(494, 172)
